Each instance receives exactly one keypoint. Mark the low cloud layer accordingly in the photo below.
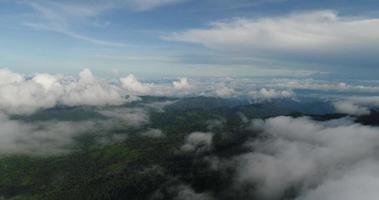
(52, 137)
(133, 117)
(198, 142)
(39, 137)
(23, 94)
(350, 108)
(324, 86)
(357, 105)
(185, 192)
(313, 160)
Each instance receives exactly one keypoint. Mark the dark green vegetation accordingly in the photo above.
(142, 167)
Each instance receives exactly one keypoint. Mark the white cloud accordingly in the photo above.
(21, 95)
(187, 193)
(39, 137)
(314, 158)
(198, 142)
(360, 182)
(324, 86)
(350, 108)
(221, 90)
(181, 84)
(90, 91)
(359, 105)
(131, 84)
(8, 77)
(271, 94)
(178, 88)
(134, 117)
(51, 137)
(56, 16)
(317, 33)
(366, 100)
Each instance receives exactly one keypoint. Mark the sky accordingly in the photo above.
(163, 38)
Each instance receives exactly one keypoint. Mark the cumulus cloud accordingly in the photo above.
(131, 84)
(316, 160)
(22, 95)
(221, 90)
(90, 91)
(198, 142)
(271, 94)
(6, 77)
(178, 88)
(181, 84)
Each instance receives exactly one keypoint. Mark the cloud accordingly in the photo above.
(18, 137)
(271, 94)
(63, 16)
(198, 142)
(181, 84)
(311, 159)
(221, 90)
(317, 30)
(360, 182)
(90, 91)
(185, 192)
(180, 191)
(134, 117)
(144, 5)
(350, 108)
(158, 106)
(358, 105)
(25, 94)
(22, 95)
(135, 87)
(153, 133)
(59, 17)
(7, 76)
(131, 84)
(52, 137)
(366, 100)
(322, 34)
(324, 86)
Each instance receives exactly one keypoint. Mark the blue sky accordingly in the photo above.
(331, 39)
